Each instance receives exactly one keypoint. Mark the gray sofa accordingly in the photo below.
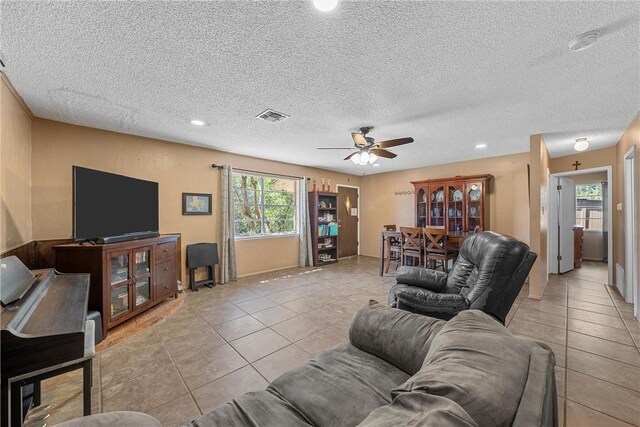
(402, 368)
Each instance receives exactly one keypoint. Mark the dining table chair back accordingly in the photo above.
(436, 247)
(411, 244)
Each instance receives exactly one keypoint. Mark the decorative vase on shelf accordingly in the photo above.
(323, 183)
(329, 186)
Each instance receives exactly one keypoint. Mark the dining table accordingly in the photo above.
(455, 237)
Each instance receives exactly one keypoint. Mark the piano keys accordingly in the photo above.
(43, 322)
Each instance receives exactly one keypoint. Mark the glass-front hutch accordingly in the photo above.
(458, 204)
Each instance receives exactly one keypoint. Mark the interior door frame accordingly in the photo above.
(630, 200)
(358, 216)
(610, 184)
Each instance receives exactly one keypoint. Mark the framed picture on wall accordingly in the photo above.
(196, 203)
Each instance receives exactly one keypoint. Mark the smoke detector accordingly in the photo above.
(272, 116)
(584, 40)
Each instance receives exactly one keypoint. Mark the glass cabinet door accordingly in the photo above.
(474, 206)
(455, 211)
(119, 300)
(436, 206)
(142, 276)
(421, 203)
(142, 262)
(119, 268)
(120, 279)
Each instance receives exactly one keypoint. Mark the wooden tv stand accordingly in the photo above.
(127, 278)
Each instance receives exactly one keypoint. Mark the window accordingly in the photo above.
(589, 206)
(264, 205)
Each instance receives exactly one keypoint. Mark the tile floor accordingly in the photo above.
(236, 338)
(595, 338)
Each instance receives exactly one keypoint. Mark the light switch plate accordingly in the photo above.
(619, 207)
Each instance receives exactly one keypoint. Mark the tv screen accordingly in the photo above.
(107, 205)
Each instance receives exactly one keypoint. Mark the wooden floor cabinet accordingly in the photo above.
(457, 204)
(127, 278)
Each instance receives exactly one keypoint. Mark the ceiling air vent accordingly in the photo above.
(272, 116)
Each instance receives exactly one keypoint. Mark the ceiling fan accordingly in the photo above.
(367, 149)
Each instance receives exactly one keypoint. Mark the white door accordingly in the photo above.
(552, 232)
(630, 290)
(567, 220)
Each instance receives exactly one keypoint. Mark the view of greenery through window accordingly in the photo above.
(263, 205)
(589, 206)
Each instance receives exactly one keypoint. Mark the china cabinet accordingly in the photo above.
(459, 204)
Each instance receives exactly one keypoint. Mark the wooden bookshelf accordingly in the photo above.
(324, 226)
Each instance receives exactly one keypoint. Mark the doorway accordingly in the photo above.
(348, 221)
(631, 288)
(574, 200)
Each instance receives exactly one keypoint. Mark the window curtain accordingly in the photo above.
(305, 255)
(228, 271)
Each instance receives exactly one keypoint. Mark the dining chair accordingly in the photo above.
(393, 250)
(411, 245)
(437, 249)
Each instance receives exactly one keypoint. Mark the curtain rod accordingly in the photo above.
(260, 173)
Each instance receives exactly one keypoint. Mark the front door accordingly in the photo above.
(566, 221)
(347, 221)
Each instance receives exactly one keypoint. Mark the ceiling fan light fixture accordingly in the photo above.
(364, 157)
(581, 144)
(356, 158)
(325, 5)
(372, 158)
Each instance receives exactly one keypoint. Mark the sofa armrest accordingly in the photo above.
(396, 336)
(421, 277)
(424, 301)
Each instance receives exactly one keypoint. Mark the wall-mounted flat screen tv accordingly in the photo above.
(108, 205)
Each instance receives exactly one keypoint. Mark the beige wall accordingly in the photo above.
(177, 168)
(539, 160)
(629, 138)
(508, 197)
(587, 160)
(15, 161)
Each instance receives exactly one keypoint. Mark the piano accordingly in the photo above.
(43, 322)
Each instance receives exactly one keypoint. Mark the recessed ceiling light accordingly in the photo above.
(481, 145)
(197, 122)
(325, 5)
(581, 144)
(375, 165)
(584, 40)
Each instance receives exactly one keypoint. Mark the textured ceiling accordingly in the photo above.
(449, 74)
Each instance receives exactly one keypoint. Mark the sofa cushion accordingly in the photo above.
(477, 363)
(397, 336)
(419, 409)
(340, 387)
(418, 299)
(256, 408)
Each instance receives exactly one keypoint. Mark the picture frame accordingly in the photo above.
(197, 203)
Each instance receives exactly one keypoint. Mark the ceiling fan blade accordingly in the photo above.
(351, 155)
(359, 139)
(382, 153)
(394, 142)
(335, 148)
